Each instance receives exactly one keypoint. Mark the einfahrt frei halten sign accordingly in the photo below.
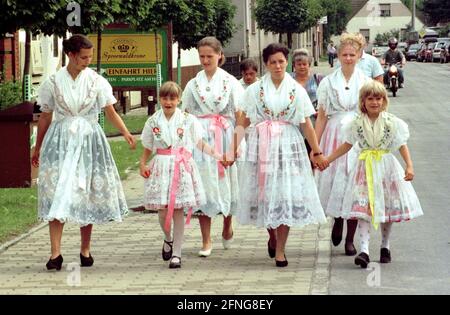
(129, 58)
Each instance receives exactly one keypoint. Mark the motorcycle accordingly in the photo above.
(393, 75)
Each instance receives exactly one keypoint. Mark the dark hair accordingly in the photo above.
(215, 44)
(274, 48)
(75, 43)
(248, 64)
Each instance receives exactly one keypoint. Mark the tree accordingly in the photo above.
(86, 17)
(382, 39)
(338, 15)
(286, 17)
(437, 11)
(29, 15)
(408, 3)
(222, 26)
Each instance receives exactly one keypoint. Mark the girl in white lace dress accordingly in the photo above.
(172, 180)
(338, 101)
(277, 185)
(212, 96)
(379, 191)
(78, 179)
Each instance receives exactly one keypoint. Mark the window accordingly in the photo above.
(366, 34)
(385, 9)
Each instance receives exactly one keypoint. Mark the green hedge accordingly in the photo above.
(10, 94)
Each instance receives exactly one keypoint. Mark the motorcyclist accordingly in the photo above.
(393, 56)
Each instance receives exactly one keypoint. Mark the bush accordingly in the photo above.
(10, 94)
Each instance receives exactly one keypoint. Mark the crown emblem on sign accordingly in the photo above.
(123, 48)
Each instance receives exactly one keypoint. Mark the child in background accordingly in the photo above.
(249, 72)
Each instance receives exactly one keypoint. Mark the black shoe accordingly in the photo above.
(166, 255)
(350, 249)
(385, 256)
(270, 250)
(336, 233)
(282, 263)
(362, 260)
(55, 263)
(86, 261)
(175, 264)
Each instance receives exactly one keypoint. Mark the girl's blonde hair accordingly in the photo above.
(170, 89)
(350, 39)
(372, 88)
(215, 44)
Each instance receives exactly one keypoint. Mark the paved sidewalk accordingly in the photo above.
(128, 261)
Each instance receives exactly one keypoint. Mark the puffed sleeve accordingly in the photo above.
(236, 94)
(187, 99)
(105, 94)
(304, 107)
(197, 131)
(46, 98)
(349, 131)
(248, 102)
(323, 99)
(147, 137)
(401, 133)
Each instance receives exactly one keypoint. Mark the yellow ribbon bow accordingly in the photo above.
(368, 156)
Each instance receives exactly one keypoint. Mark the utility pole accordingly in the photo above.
(413, 21)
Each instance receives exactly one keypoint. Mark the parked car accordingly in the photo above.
(425, 53)
(437, 49)
(411, 51)
(378, 51)
(445, 53)
(402, 47)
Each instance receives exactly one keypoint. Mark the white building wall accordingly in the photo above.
(188, 57)
(386, 24)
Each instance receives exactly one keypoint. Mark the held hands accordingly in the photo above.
(409, 173)
(223, 159)
(319, 161)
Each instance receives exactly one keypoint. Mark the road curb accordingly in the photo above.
(5, 246)
(321, 277)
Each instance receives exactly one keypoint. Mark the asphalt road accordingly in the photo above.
(420, 248)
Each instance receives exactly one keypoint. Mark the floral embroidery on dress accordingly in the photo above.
(388, 132)
(219, 99)
(269, 112)
(157, 132)
(180, 133)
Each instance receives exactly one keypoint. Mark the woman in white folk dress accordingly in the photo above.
(277, 185)
(78, 179)
(338, 102)
(212, 96)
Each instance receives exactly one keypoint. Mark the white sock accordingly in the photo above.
(364, 236)
(385, 234)
(162, 221)
(178, 231)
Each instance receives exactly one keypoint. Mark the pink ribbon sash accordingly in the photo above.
(182, 156)
(218, 123)
(267, 130)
